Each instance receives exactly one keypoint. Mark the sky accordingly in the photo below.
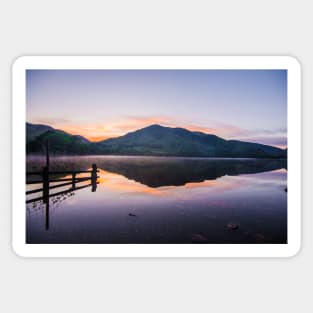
(248, 105)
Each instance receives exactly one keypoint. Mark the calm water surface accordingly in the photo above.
(163, 200)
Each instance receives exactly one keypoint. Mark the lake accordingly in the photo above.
(162, 200)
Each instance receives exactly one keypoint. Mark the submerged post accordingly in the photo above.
(94, 178)
(47, 224)
(45, 179)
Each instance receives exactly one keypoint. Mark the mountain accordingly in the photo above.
(166, 141)
(35, 130)
(60, 142)
(154, 140)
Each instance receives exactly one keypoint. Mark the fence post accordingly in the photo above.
(94, 178)
(73, 180)
(45, 180)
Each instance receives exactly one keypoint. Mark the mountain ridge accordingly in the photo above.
(153, 140)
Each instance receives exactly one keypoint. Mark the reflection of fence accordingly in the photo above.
(46, 178)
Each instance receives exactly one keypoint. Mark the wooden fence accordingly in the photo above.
(46, 178)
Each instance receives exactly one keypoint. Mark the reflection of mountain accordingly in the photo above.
(154, 140)
(178, 172)
(161, 171)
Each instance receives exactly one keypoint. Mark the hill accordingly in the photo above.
(154, 140)
(60, 142)
(35, 130)
(166, 141)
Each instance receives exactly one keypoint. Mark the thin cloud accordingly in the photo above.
(52, 121)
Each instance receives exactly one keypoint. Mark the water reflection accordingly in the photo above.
(168, 200)
(177, 172)
(162, 171)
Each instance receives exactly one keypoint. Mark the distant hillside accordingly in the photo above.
(60, 142)
(35, 130)
(165, 141)
(154, 140)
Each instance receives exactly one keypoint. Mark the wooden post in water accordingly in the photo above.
(73, 180)
(94, 178)
(45, 179)
(47, 225)
(46, 184)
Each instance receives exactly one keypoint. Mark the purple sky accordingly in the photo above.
(235, 104)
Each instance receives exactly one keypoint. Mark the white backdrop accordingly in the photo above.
(161, 27)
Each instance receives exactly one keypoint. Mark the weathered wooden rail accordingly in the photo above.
(72, 181)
